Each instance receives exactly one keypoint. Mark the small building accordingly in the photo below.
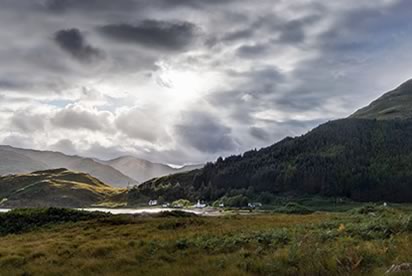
(166, 205)
(152, 202)
(254, 205)
(221, 205)
(200, 205)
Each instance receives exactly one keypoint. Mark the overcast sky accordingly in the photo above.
(186, 81)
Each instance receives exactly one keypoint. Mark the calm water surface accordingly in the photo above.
(128, 211)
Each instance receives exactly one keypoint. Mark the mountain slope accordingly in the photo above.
(362, 159)
(54, 188)
(139, 169)
(15, 160)
(189, 168)
(143, 170)
(396, 104)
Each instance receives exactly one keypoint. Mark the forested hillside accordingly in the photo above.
(364, 160)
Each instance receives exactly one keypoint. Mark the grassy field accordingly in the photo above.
(363, 241)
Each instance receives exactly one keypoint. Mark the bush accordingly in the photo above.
(182, 203)
(236, 201)
(22, 220)
(294, 208)
(266, 198)
(372, 209)
(175, 213)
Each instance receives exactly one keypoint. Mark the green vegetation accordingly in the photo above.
(294, 208)
(366, 240)
(23, 220)
(395, 104)
(57, 188)
(182, 203)
(235, 201)
(361, 160)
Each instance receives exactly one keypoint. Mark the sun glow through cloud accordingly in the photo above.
(162, 71)
(184, 86)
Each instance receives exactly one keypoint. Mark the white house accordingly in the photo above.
(254, 205)
(200, 205)
(152, 202)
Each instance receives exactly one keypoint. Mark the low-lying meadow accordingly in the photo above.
(367, 240)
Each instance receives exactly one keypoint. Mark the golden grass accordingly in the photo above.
(233, 245)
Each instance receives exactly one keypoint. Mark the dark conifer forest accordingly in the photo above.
(359, 159)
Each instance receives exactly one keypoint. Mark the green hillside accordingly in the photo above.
(396, 104)
(57, 188)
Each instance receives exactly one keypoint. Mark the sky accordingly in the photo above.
(187, 81)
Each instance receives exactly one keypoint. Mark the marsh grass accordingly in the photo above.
(357, 242)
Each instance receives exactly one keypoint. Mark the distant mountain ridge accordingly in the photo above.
(16, 160)
(120, 172)
(366, 157)
(142, 170)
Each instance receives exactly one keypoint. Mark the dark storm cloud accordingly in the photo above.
(375, 29)
(258, 82)
(205, 133)
(73, 42)
(349, 51)
(31, 84)
(257, 76)
(259, 133)
(238, 35)
(238, 104)
(253, 93)
(12, 85)
(252, 51)
(89, 5)
(301, 99)
(292, 32)
(152, 33)
(125, 5)
(265, 31)
(188, 3)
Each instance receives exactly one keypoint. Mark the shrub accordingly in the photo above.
(265, 198)
(236, 201)
(182, 203)
(22, 220)
(176, 213)
(365, 210)
(294, 208)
